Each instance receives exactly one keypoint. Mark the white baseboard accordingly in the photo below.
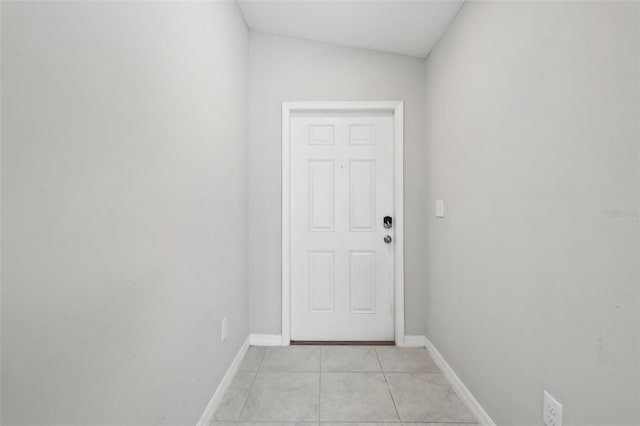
(463, 392)
(414, 342)
(207, 417)
(265, 339)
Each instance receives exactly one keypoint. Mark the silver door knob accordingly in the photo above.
(387, 239)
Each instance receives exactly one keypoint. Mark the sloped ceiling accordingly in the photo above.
(403, 27)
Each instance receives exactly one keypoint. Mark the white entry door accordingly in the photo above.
(341, 190)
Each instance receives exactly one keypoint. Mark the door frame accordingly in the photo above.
(397, 109)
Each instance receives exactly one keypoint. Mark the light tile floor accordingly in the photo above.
(339, 384)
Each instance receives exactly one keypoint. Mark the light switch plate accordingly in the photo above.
(439, 208)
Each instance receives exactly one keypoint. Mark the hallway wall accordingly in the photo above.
(283, 69)
(124, 200)
(531, 124)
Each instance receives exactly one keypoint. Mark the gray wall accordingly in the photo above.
(283, 69)
(124, 206)
(532, 128)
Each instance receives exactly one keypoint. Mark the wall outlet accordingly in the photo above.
(224, 329)
(439, 208)
(552, 411)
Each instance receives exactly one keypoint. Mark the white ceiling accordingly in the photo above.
(407, 27)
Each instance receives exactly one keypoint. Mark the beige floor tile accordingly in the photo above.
(288, 396)
(236, 395)
(406, 360)
(291, 358)
(355, 397)
(349, 358)
(421, 397)
(253, 359)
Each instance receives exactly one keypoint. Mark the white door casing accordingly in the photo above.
(342, 173)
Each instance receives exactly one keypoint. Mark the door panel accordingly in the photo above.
(341, 188)
(321, 281)
(362, 195)
(362, 278)
(321, 196)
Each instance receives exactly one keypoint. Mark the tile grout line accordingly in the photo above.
(320, 422)
(253, 382)
(387, 383)
(264, 354)
(375, 351)
(319, 384)
(359, 422)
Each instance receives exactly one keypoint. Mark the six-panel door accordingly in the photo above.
(341, 189)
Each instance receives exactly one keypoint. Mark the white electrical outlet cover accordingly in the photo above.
(551, 411)
(223, 330)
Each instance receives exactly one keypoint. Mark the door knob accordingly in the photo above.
(387, 239)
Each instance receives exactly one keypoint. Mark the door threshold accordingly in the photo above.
(343, 343)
